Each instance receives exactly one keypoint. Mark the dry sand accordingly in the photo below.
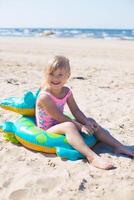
(105, 92)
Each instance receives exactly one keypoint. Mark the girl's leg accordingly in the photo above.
(74, 138)
(104, 136)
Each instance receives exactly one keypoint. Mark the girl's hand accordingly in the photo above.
(84, 128)
(87, 129)
(93, 124)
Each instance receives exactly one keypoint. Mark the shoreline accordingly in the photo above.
(65, 38)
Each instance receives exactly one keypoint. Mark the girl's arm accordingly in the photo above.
(78, 114)
(45, 102)
(89, 123)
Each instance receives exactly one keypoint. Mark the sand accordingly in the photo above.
(103, 84)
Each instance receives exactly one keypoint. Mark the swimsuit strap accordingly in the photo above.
(55, 98)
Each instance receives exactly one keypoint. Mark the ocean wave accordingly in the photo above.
(123, 34)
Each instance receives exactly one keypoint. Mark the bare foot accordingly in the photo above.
(101, 163)
(122, 149)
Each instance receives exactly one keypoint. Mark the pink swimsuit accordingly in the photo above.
(44, 120)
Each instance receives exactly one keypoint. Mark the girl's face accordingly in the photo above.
(57, 79)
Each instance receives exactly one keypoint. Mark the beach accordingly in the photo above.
(102, 81)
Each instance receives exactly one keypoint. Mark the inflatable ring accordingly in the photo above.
(24, 105)
(25, 131)
(32, 137)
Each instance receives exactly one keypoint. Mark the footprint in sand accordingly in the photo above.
(7, 182)
(19, 194)
(36, 187)
(48, 184)
(43, 185)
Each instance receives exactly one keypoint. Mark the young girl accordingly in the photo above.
(50, 116)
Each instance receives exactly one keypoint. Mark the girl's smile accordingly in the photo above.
(54, 83)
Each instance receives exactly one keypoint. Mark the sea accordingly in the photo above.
(122, 34)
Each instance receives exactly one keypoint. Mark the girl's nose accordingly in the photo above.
(56, 77)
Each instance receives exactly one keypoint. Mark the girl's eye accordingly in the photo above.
(51, 74)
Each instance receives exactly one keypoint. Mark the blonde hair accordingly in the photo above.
(57, 62)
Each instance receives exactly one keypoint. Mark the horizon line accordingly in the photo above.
(36, 27)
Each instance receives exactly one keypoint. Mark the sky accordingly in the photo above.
(67, 13)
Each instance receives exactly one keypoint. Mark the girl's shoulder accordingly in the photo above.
(67, 91)
(43, 96)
